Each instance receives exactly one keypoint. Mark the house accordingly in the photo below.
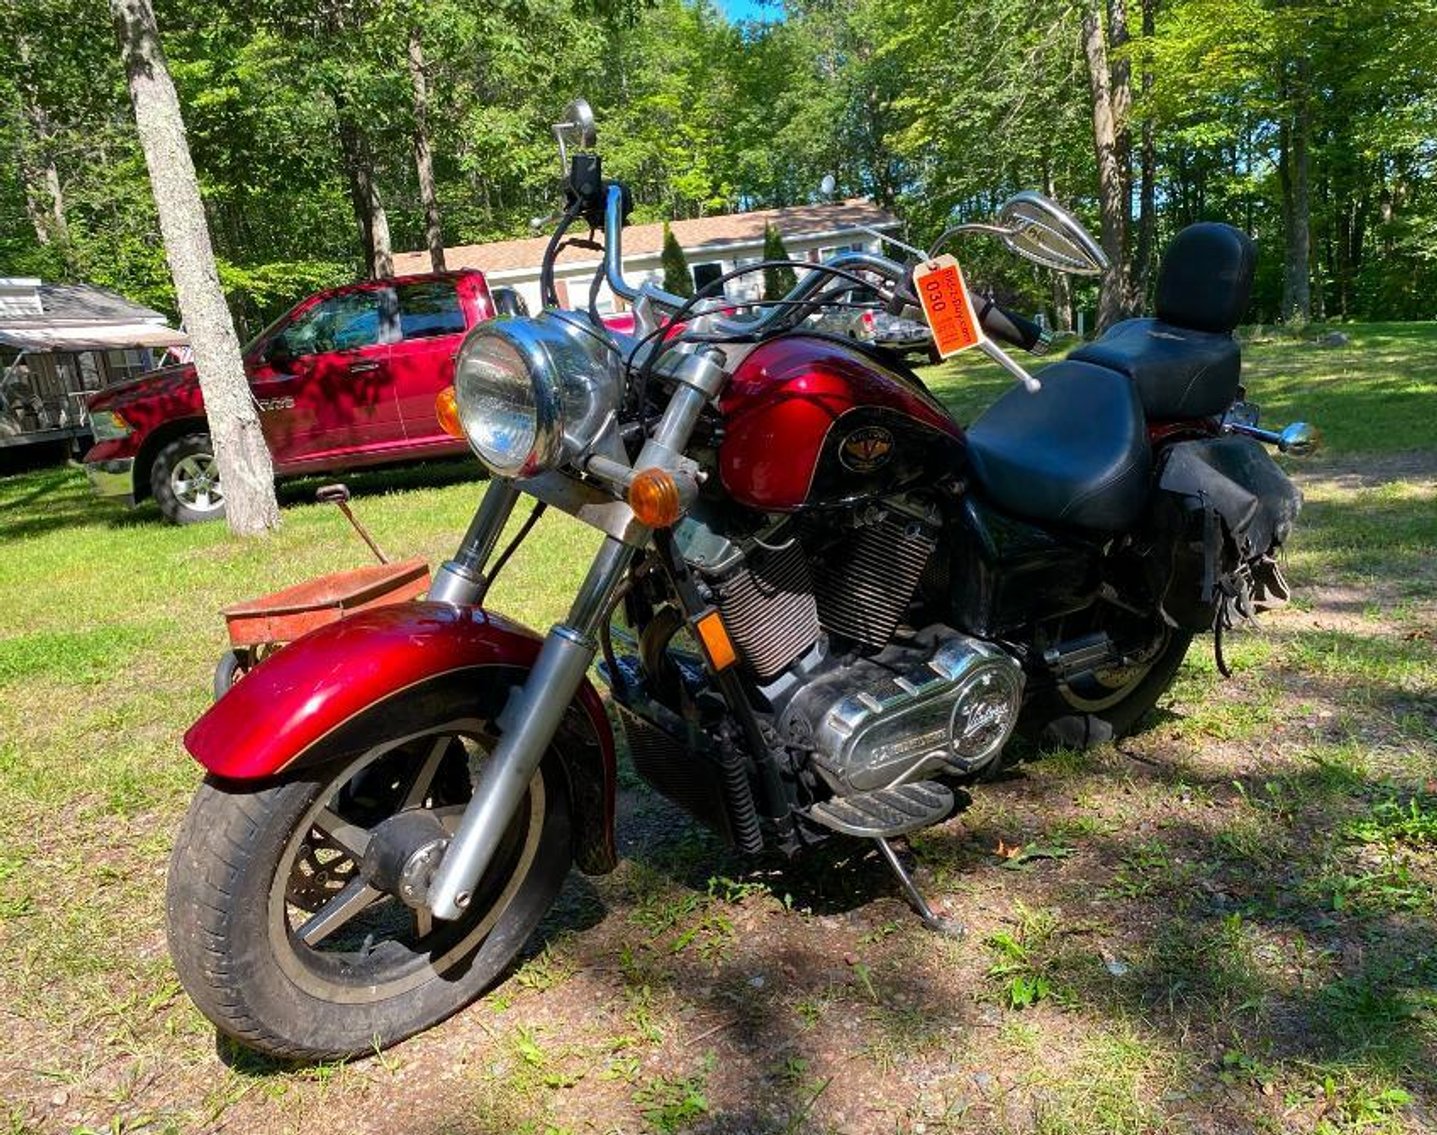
(712, 245)
(59, 343)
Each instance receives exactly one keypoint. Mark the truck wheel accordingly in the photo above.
(185, 481)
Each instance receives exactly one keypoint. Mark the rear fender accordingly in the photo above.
(315, 701)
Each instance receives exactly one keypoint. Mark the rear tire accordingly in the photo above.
(185, 483)
(1081, 718)
(251, 868)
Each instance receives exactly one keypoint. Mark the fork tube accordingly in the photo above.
(461, 580)
(529, 722)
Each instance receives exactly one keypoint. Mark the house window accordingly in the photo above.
(127, 363)
(706, 274)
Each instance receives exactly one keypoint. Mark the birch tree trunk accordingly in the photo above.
(423, 159)
(1113, 297)
(1062, 286)
(243, 458)
(1147, 183)
(1121, 95)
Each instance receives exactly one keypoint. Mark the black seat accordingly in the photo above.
(1185, 363)
(1075, 453)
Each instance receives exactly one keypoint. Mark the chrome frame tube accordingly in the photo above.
(461, 580)
(530, 721)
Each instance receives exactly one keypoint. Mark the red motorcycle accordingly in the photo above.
(822, 608)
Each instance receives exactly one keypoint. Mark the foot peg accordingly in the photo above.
(887, 812)
(915, 898)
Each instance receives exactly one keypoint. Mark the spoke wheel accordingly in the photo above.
(338, 937)
(275, 927)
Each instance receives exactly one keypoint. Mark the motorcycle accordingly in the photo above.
(822, 608)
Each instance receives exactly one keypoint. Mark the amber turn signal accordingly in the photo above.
(446, 405)
(655, 498)
(717, 644)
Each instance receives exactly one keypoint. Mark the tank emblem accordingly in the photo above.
(867, 449)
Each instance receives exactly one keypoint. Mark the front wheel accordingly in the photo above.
(185, 481)
(281, 938)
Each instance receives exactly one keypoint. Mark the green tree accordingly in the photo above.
(778, 280)
(677, 277)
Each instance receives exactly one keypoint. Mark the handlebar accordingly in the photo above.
(1011, 327)
(999, 324)
(649, 294)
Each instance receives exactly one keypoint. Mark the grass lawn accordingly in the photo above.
(1223, 924)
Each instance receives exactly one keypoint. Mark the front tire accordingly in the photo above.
(253, 872)
(185, 481)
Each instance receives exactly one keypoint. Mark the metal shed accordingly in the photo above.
(59, 343)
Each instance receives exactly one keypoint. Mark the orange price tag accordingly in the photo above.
(940, 288)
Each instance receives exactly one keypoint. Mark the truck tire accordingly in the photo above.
(185, 481)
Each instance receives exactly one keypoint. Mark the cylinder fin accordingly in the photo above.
(863, 593)
(769, 609)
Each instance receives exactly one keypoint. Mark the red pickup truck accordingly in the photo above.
(345, 378)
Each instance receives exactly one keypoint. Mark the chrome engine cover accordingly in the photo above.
(907, 713)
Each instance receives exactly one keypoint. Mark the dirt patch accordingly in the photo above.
(1346, 473)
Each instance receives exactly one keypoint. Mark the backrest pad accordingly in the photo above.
(1206, 277)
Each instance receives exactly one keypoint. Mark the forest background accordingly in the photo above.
(327, 134)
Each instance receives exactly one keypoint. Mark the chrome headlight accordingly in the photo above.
(533, 393)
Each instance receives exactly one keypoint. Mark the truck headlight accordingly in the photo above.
(533, 393)
(108, 425)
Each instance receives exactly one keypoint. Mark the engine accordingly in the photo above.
(944, 705)
(816, 608)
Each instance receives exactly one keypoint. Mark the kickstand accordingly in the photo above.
(915, 899)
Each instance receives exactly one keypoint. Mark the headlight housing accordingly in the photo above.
(108, 425)
(534, 393)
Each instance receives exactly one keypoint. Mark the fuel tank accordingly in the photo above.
(810, 422)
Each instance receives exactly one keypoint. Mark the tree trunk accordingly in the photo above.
(1121, 95)
(1293, 170)
(369, 212)
(1114, 295)
(1147, 189)
(423, 160)
(44, 199)
(1062, 286)
(240, 451)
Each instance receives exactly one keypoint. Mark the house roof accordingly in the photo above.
(701, 234)
(78, 304)
(77, 317)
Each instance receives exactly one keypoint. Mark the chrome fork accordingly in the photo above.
(529, 722)
(534, 711)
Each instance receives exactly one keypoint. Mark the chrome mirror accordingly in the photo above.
(1045, 232)
(1300, 439)
(578, 126)
(579, 117)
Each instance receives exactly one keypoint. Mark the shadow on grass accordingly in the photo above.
(45, 500)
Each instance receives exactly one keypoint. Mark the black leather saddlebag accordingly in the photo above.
(1228, 507)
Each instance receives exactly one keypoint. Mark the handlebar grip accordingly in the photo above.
(999, 323)
(1011, 328)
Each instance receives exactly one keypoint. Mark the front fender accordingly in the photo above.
(290, 711)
